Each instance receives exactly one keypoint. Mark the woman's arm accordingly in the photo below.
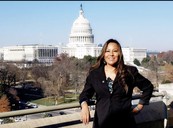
(85, 113)
(84, 99)
(144, 85)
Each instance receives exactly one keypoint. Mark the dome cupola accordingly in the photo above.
(81, 31)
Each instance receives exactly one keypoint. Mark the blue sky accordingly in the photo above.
(137, 24)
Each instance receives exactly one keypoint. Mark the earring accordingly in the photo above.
(104, 62)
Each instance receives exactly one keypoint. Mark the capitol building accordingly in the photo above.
(81, 43)
(81, 39)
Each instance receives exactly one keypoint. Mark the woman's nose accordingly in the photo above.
(111, 53)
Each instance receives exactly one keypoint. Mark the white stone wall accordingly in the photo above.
(14, 53)
(29, 53)
(133, 53)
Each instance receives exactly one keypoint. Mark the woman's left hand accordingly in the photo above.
(138, 108)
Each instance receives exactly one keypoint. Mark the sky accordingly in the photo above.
(136, 24)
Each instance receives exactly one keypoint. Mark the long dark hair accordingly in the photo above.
(119, 65)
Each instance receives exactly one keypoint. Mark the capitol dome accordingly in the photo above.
(81, 32)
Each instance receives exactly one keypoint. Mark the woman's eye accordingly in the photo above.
(112, 51)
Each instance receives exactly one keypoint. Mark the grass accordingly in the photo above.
(49, 101)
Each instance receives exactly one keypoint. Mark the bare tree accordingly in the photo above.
(168, 72)
(39, 71)
(7, 77)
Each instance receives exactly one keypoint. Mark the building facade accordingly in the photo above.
(134, 53)
(40, 53)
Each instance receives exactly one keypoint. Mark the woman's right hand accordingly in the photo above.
(85, 113)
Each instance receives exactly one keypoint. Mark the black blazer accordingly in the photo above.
(119, 101)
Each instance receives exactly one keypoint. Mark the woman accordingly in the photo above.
(113, 82)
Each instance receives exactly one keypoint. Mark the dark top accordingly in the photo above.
(113, 109)
(110, 84)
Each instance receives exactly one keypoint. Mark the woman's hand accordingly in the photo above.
(138, 108)
(85, 113)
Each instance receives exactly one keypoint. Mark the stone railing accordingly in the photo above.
(153, 115)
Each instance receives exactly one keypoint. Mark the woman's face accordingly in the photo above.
(111, 54)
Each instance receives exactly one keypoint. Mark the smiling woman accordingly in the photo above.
(113, 82)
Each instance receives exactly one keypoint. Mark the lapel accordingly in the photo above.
(102, 79)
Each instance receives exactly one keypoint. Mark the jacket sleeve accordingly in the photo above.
(144, 85)
(88, 90)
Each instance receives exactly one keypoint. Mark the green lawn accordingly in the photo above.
(49, 101)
